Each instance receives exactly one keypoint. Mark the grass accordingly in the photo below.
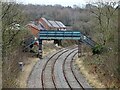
(23, 75)
(100, 70)
(90, 77)
(32, 60)
(0, 73)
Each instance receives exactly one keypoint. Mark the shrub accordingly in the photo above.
(98, 49)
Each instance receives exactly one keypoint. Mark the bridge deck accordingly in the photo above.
(75, 35)
(72, 35)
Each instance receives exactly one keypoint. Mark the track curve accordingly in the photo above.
(56, 71)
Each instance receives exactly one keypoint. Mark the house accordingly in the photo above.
(35, 28)
(52, 25)
(43, 24)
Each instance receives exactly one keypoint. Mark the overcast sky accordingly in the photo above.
(61, 2)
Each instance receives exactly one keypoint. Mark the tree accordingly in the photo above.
(12, 17)
(104, 13)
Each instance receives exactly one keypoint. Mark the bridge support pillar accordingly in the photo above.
(40, 49)
(79, 48)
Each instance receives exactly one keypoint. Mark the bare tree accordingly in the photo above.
(104, 13)
(11, 15)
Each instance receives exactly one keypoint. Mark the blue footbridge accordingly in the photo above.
(64, 35)
(69, 35)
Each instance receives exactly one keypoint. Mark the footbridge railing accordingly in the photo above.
(62, 35)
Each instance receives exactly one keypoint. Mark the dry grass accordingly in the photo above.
(100, 70)
(91, 78)
(23, 76)
(0, 73)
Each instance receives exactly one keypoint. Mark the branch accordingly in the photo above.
(6, 11)
(12, 38)
(115, 10)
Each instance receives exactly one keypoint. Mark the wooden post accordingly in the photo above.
(40, 49)
(79, 48)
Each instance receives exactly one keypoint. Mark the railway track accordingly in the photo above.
(56, 71)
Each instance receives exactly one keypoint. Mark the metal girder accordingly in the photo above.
(60, 35)
(50, 34)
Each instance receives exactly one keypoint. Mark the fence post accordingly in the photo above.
(79, 48)
(40, 49)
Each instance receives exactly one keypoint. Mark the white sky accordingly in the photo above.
(61, 2)
(53, 2)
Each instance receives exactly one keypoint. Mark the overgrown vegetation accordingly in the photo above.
(76, 17)
(97, 49)
(13, 32)
(105, 32)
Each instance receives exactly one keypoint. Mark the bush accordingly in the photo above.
(98, 49)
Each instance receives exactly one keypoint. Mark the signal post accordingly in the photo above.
(40, 49)
(79, 48)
